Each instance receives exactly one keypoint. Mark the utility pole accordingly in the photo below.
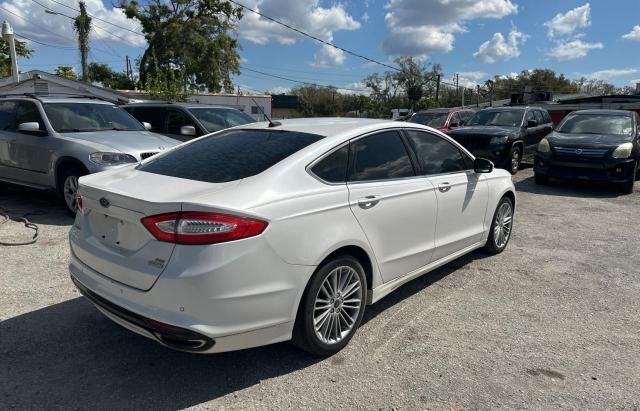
(129, 68)
(478, 96)
(7, 34)
(490, 84)
(82, 27)
(437, 88)
(463, 92)
(458, 84)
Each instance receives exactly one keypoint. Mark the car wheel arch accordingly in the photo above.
(64, 163)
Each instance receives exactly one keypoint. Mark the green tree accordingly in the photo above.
(165, 83)
(5, 59)
(594, 87)
(82, 27)
(532, 80)
(319, 101)
(66, 72)
(189, 38)
(103, 74)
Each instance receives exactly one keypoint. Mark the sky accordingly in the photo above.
(477, 39)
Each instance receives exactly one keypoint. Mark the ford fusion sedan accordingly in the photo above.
(592, 145)
(281, 231)
(505, 135)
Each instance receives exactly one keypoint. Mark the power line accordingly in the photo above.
(99, 19)
(299, 81)
(23, 18)
(311, 36)
(45, 44)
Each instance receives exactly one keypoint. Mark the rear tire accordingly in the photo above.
(541, 180)
(332, 307)
(515, 159)
(501, 227)
(68, 187)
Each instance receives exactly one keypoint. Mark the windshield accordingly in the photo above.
(506, 118)
(620, 125)
(214, 119)
(429, 119)
(83, 116)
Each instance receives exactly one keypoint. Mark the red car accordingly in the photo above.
(443, 119)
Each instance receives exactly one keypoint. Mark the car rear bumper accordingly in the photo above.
(620, 171)
(244, 303)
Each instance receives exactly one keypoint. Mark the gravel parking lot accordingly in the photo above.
(553, 322)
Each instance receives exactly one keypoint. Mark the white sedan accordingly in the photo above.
(271, 232)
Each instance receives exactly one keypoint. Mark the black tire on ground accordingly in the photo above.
(63, 191)
(627, 188)
(511, 165)
(492, 246)
(540, 179)
(304, 333)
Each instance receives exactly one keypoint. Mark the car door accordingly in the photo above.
(533, 134)
(396, 209)
(176, 119)
(7, 120)
(461, 193)
(29, 152)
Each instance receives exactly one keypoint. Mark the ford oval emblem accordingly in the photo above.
(104, 202)
(579, 151)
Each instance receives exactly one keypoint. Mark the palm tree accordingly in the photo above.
(82, 27)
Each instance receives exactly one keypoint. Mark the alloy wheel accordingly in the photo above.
(515, 160)
(502, 225)
(70, 189)
(337, 305)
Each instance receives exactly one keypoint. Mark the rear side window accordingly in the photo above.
(7, 114)
(380, 156)
(229, 155)
(539, 117)
(333, 168)
(436, 155)
(546, 116)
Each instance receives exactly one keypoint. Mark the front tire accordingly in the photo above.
(68, 187)
(332, 307)
(515, 159)
(501, 227)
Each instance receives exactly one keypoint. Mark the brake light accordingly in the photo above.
(199, 228)
(79, 203)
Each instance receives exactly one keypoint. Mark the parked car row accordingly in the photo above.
(49, 142)
(598, 145)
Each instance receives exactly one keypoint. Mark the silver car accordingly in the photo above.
(48, 143)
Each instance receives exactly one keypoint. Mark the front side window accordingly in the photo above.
(229, 155)
(151, 115)
(621, 125)
(381, 156)
(176, 120)
(215, 119)
(504, 118)
(333, 168)
(436, 155)
(7, 115)
(27, 112)
(82, 116)
(539, 117)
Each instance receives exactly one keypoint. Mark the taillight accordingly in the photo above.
(197, 228)
(79, 203)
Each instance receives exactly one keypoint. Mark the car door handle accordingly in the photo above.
(444, 187)
(368, 202)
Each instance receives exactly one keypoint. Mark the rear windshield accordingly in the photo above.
(621, 125)
(429, 119)
(229, 155)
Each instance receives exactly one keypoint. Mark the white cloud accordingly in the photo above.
(634, 34)
(573, 50)
(471, 78)
(612, 73)
(365, 17)
(501, 49)
(357, 88)
(306, 15)
(38, 25)
(567, 23)
(418, 27)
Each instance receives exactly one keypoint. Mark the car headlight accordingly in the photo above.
(112, 159)
(623, 151)
(543, 146)
(499, 140)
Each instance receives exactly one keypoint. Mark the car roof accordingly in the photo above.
(183, 105)
(436, 110)
(605, 112)
(45, 99)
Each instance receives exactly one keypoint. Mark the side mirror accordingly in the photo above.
(32, 127)
(188, 130)
(482, 165)
(146, 125)
(531, 123)
(454, 125)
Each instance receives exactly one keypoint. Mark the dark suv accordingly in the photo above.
(505, 135)
(185, 121)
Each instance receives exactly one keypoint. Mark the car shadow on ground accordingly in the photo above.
(576, 189)
(40, 207)
(70, 356)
